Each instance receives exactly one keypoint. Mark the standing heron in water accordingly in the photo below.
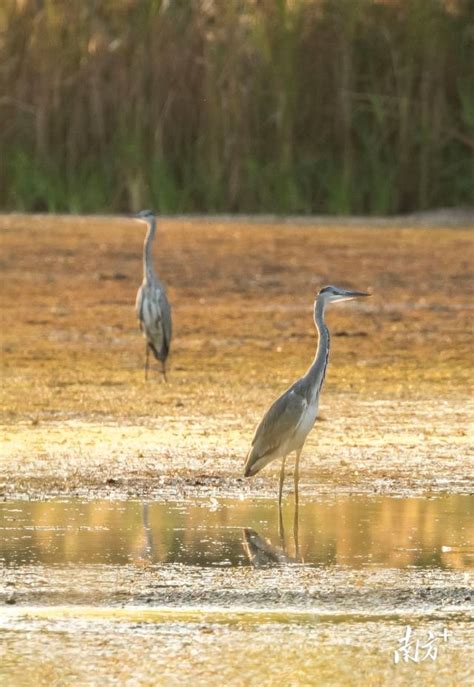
(287, 422)
(152, 306)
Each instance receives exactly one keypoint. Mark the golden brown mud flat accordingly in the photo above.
(78, 417)
(205, 647)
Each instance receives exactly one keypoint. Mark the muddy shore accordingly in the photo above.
(78, 418)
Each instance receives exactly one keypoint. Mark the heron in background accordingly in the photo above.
(152, 306)
(287, 422)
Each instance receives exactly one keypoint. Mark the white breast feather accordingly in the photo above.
(306, 423)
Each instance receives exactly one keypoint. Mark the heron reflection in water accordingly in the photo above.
(262, 553)
(146, 551)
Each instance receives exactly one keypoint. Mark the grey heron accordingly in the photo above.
(288, 421)
(152, 306)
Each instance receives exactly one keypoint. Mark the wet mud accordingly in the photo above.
(78, 418)
(132, 551)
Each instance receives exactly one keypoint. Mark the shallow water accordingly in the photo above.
(353, 531)
(156, 593)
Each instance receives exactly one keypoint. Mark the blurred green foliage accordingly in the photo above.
(286, 106)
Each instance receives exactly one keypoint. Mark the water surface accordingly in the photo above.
(353, 531)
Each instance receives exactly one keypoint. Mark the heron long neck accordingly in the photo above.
(148, 271)
(317, 371)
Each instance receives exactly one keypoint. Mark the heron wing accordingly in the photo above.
(166, 322)
(154, 313)
(279, 423)
(157, 320)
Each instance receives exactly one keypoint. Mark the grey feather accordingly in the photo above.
(152, 306)
(279, 423)
(154, 315)
(288, 421)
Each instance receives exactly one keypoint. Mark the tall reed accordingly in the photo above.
(292, 106)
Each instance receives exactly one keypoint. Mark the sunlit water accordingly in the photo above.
(353, 531)
(194, 592)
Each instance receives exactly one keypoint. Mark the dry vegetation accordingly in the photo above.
(76, 411)
(306, 106)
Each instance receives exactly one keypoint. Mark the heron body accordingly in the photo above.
(284, 427)
(152, 306)
(288, 421)
(154, 314)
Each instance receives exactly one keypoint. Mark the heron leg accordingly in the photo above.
(297, 476)
(147, 354)
(296, 531)
(282, 479)
(163, 370)
(281, 529)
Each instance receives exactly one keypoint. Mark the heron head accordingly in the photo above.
(145, 215)
(333, 294)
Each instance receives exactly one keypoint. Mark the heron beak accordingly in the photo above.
(357, 294)
(350, 295)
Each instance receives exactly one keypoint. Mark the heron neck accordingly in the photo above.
(148, 271)
(317, 371)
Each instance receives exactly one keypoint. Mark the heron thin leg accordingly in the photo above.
(281, 529)
(147, 353)
(282, 479)
(296, 530)
(163, 370)
(297, 476)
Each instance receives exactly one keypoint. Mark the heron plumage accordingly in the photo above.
(277, 434)
(288, 421)
(154, 315)
(152, 305)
